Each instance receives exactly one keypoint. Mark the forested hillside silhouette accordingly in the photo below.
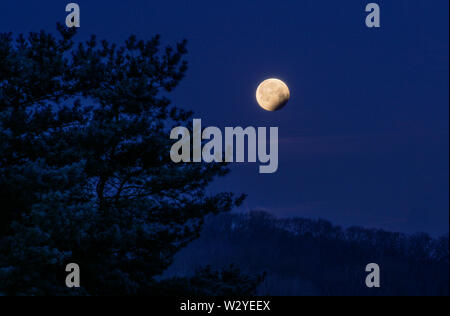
(313, 257)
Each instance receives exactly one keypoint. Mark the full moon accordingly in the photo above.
(272, 94)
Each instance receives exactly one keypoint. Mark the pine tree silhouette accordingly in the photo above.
(85, 170)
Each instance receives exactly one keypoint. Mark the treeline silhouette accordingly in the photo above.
(313, 257)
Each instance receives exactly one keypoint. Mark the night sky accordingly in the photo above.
(364, 139)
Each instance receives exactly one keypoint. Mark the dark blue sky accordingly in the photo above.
(364, 139)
